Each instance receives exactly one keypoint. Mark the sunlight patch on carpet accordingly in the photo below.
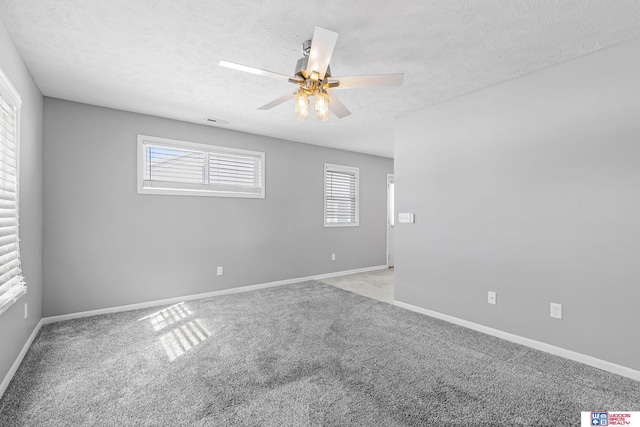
(168, 316)
(181, 338)
(184, 338)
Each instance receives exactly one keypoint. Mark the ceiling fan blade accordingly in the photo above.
(259, 72)
(322, 45)
(276, 102)
(337, 107)
(349, 82)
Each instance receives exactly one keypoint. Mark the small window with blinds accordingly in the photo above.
(172, 167)
(12, 283)
(341, 187)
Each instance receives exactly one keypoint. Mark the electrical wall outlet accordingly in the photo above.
(219, 271)
(492, 298)
(555, 311)
(333, 257)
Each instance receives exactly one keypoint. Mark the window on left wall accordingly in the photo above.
(12, 283)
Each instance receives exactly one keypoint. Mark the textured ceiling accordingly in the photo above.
(161, 57)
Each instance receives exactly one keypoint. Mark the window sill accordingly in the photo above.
(11, 297)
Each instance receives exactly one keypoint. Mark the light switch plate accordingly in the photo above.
(406, 217)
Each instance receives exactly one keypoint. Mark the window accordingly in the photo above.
(341, 186)
(12, 284)
(169, 166)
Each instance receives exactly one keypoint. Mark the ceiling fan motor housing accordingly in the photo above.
(301, 66)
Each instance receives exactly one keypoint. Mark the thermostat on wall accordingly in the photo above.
(406, 217)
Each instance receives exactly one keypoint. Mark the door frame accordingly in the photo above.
(390, 180)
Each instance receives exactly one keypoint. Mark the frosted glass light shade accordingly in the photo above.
(302, 105)
(322, 106)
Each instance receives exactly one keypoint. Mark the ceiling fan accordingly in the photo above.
(313, 78)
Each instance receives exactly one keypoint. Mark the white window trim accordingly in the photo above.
(187, 190)
(11, 296)
(346, 169)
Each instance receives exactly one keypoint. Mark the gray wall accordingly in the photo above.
(531, 189)
(14, 329)
(106, 245)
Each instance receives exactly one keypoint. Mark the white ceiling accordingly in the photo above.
(161, 57)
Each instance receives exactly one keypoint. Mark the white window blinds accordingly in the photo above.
(187, 168)
(341, 204)
(12, 284)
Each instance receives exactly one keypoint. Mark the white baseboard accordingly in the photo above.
(169, 301)
(16, 364)
(538, 345)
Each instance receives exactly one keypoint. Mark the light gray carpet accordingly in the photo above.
(296, 355)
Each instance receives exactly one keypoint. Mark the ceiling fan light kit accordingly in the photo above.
(313, 77)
